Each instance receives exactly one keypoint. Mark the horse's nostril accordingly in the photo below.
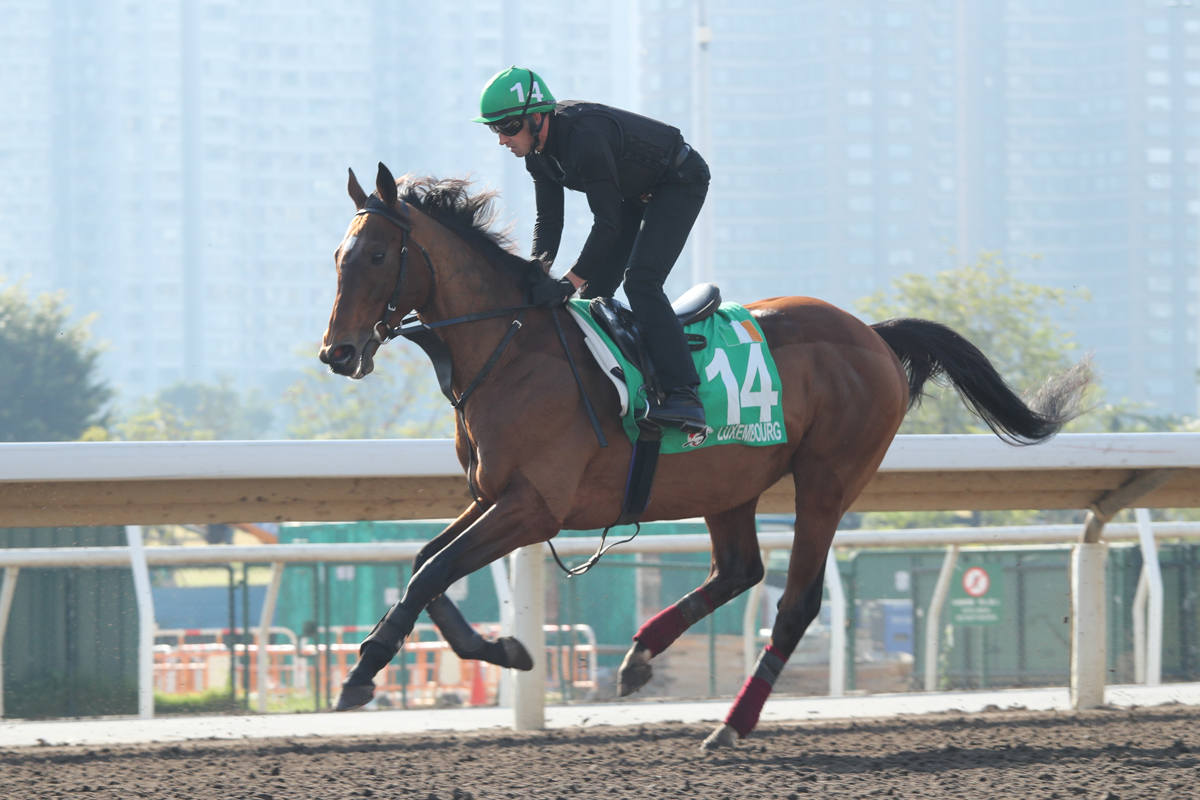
(341, 354)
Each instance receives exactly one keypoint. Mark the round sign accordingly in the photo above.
(976, 582)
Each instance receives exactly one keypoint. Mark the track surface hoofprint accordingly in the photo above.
(1105, 754)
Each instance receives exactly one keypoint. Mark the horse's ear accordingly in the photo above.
(385, 184)
(356, 192)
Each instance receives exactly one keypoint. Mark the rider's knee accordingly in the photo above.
(643, 287)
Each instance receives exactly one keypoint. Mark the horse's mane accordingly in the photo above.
(471, 216)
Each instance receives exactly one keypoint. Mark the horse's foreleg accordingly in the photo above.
(520, 517)
(736, 566)
(464, 640)
(818, 510)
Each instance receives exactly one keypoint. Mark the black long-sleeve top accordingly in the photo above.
(585, 155)
(585, 163)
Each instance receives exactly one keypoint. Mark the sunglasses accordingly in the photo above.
(508, 127)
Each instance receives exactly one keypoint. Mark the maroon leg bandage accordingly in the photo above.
(667, 625)
(749, 703)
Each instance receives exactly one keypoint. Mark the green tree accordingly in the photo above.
(1127, 417)
(50, 391)
(197, 411)
(1009, 320)
(399, 400)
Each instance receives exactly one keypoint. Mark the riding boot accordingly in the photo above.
(681, 408)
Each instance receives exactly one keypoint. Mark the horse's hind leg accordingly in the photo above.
(736, 566)
(818, 510)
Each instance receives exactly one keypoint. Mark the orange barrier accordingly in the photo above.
(186, 667)
(430, 674)
(572, 659)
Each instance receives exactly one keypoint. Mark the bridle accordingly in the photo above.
(383, 332)
(421, 333)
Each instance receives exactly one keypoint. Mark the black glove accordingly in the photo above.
(537, 272)
(551, 294)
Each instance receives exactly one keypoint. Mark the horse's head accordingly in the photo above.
(369, 267)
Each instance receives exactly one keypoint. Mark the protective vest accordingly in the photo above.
(646, 147)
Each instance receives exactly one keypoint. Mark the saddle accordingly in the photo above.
(695, 305)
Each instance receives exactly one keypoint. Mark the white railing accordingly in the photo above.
(92, 483)
(523, 593)
(122, 483)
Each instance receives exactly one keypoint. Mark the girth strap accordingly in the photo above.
(638, 483)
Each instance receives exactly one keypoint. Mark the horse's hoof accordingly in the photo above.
(352, 697)
(635, 671)
(723, 736)
(516, 654)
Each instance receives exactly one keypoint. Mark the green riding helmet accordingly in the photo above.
(513, 92)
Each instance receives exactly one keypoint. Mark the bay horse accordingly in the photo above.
(534, 461)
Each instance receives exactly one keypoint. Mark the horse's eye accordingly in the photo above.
(377, 258)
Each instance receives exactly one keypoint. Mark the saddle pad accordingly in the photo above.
(739, 385)
(601, 348)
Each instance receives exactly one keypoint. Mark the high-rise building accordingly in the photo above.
(178, 168)
(858, 140)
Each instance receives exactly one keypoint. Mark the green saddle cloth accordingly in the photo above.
(739, 385)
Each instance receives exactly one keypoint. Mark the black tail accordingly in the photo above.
(929, 350)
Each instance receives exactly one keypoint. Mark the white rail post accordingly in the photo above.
(264, 633)
(1153, 572)
(1089, 613)
(6, 601)
(145, 604)
(529, 610)
(750, 619)
(1139, 627)
(1089, 650)
(504, 598)
(837, 626)
(933, 618)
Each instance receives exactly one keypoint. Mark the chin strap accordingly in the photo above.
(536, 130)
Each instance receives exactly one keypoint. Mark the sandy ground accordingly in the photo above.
(1109, 754)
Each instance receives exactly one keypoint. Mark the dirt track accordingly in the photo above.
(1107, 754)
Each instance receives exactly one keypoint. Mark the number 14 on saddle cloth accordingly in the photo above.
(739, 384)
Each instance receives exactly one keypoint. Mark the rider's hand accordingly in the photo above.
(551, 293)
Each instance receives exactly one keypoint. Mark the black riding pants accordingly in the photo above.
(652, 237)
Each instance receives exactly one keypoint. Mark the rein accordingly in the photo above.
(421, 333)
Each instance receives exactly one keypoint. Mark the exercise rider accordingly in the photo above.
(645, 187)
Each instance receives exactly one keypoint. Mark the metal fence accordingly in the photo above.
(843, 592)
